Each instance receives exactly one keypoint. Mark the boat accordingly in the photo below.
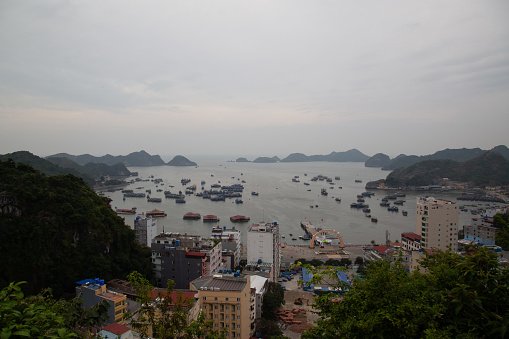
(393, 209)
(374, 220)
(399, 202)
(337, 177)
(239, 201)
(306, 183)
(368, 215)
(239, 218)
(295, 180)
(385, 203)
(338, 199)
(254, 193)
(125, 211)
(405, 213)
(306, 237)
(155, 213)
(366, 210)
(358, 180)
(192, 216)
(154, 199)
(180, 201)
(323, 191)
(283, 236)
(294, 238)
(210, 218)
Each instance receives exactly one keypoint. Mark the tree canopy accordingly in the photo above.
(56, 230)
(457, 297)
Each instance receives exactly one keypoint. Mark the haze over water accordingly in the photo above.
(280, 200)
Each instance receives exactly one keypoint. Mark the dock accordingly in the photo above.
(309, 228)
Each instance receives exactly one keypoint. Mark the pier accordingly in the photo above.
(309, 228)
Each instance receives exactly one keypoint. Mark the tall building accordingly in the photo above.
(264, 248)
(229, 301)
(437, 223)
(146, 230)
(93, 291)
(230, 241)
(183, 258)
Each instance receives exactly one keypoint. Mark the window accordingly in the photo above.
(204, 307)
(215, 298)
(226, 298)
(204, 298)
(238, 299)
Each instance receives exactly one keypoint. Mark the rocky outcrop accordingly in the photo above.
(352, 155)
(180, 160)
(378, 160)
(242, 160)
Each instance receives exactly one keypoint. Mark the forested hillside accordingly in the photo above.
(55, 230)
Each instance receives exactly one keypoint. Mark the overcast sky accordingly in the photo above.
(253, 77)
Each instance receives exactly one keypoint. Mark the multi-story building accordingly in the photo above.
(259, 285)
(229, 302)
(263, 247)
(437, 223)
(483, 235)
(146, 230)
(93, 292)
(411, 241)
(183, 258)
(231, 243)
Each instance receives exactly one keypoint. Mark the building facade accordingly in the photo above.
(229, 302)
(231, 243)
(482, 235)
(146, 230)
(437, 223)
(183, 258)
(411, 241)
(93, 292)
(263, 247)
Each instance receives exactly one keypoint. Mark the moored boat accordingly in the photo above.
(155, 213)
(192, 216)
(239, 218)
(125, 211)
(210, 218)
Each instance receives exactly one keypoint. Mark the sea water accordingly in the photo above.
(280, 199)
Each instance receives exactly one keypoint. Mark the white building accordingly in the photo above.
(263, 247)
(437, 223)
(146, 230)
(259, 284)
(230, 241)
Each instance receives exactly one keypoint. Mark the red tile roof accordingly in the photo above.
(196, 254)
(411, 236)
(117, 329)
(173, 295)
(381, 249)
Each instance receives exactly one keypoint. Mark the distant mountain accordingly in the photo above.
(460, 155)
(488, 169)
(242, 160)
(92, 169)
(135, 159)
(180, 161)
(266, 160)
(47, 167)
(503, 150)
(378, 160)
(352, 155)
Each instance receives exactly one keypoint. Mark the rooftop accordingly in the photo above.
(221, 283)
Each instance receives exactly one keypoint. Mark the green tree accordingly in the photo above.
(501, 222)
(272, 300)
(458, 297)
(166, 313)
(359, 261)
(41, 316)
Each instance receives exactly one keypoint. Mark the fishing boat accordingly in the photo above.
(254, 193)
(180, 201)
(405, 213)
(338, 199)
(239, 201)
(374, 220)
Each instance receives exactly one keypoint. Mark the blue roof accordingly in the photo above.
(84, 281)
(307, 274)
(342, 276)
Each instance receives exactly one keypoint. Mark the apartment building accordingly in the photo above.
(437, 223)
(231, 243)
(146, 230)
(93, 292)
(264, 249)
(480, 234)
(183, 258)
(229, 302)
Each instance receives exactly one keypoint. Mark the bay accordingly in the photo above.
(280, 200)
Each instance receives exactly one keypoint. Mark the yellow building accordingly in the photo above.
(229, 302)
(93, 291)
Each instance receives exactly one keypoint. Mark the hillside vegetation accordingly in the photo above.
(488, 169)
(55, 230)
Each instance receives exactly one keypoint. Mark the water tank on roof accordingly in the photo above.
(238, 272)
(233, 227)
(96, 281)
(220, 270)
(177, 243)
(101, 282)
(229, 271)
(259, 261)
(224, 227)
(138, 217)
(274, 223)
